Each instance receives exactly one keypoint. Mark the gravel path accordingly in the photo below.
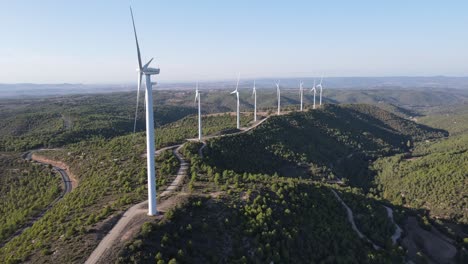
(133, 212)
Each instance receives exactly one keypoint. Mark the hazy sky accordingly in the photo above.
(91, 41)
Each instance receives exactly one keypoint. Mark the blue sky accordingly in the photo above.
(91, 41)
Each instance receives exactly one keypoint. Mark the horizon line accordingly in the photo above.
(229, 79)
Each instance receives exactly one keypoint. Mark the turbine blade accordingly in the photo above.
(136, 40)
(140, 75)
(148, 63)
(233, 92)
(238, 78)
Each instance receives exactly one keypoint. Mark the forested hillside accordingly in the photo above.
(434, 178)
(253, 218)
(436, 182)
(187, 127)
(111, 175)
(452, 119)
(52, 122)
(318, 140)
(26, 189)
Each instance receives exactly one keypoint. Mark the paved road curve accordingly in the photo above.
(67, 188)
(65, 178)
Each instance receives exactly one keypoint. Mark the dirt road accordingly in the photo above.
(129, 219)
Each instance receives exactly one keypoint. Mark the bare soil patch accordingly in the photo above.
(58, 164)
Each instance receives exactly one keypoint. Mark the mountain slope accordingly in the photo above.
(318, 140)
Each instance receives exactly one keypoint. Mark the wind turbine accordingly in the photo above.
(315, 91)
(237, 94)
(150, 149)
(301, 91)
(320, 85)
(278, 95)
(254, 94)
(197, 96)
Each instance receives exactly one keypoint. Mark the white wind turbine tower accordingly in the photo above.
(320, 85)
(150, 149)
(301, 91)
(197, 96)
(237, 94)
(315, 91)
(278, 95)
(254, 94)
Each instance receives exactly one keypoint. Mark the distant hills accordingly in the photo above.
(22, 90)
(398, 82)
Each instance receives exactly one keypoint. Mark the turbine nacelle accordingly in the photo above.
(313, 88)
(277, 86)
(236, 91)
(151, 71)
(320, 84)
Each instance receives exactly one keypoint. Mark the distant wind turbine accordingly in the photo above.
(278, 95)
(150, 149)
(197, 96)
(301, 91)
(320, 85)
(315, 91)
(237, 94)
(254, 94)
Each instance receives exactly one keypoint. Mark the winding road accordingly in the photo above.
(180, 173)
(349, 212)
(66, 189)
(396, 235)
(398, 230)
(63, 174)
(128, 219)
